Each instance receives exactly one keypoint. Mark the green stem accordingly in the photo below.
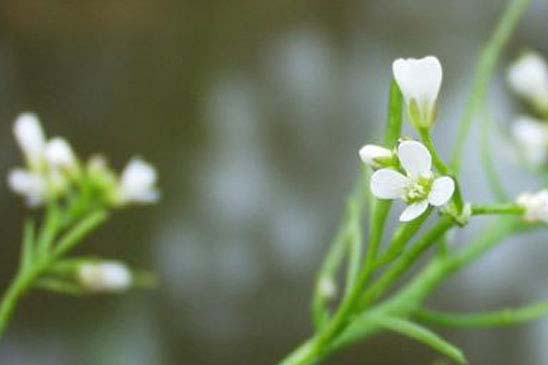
(504, 317)
(28, 274)
(400, 239)
(407, 301)
(405, 262)
(442, 167)
(337, 251)
(484, 73)
(19, 286)
(436, 158)
(489, 168)
(500, 209)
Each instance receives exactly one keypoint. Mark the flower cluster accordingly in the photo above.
(528, 78)
(407, 172)
(53, 171)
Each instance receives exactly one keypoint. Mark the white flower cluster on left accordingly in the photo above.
(52, 169)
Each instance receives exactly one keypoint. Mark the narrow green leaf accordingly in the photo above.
(395, 116)
(421, 334)
(500, 318)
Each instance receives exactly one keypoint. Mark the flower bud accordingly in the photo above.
(536, 206)
(377, 157)
(105, 276)
(30, 138)
(528, 77)
(59, 154)
(327, 288)
(531, 135)
(137, 183)
(419, 81)
(30, 185)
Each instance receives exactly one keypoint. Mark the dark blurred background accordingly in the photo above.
(253, 112)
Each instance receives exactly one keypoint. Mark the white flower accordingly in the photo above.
(528, 77)
(31, 185)
(418, 188)
(59, 154)
(531, 136)
(419, 81)
(137, 183)
(31, 139)
(376, 156)
(536, 206)
(327, 288)
(106, 276)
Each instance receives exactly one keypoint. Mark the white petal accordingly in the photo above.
(137, 183)
(415, 158)
(413, 211)
(105, 276)
(531, 136)
(388, 184)
(442, 190)
(32, 186)
(59, 153)
(30, 137)
(528, 77)
(419, 79)
(370, 153)
(536, 206)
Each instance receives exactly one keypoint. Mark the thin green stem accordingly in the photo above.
(76, 234)
(400, 239)
(436, 158)
(395, 116)
(27, 251)
(337, 251)
(407, 260)
(499, 209)
(504, 317)
(18, 287)
(442, 167)
(484, 73)
(26, 277)
(495, 183)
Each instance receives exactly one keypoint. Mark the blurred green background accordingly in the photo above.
(253, 112)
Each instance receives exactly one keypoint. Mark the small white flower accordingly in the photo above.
(419, 81)
(59, 154)
(137, 183)
(327, 288)
(376, 156)
(528, 77)
(531, 136)
(536, 206)
(417, 188)
(106, 276)
(31, 139)
(30, 185)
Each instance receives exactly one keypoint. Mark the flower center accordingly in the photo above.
(418, 189)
